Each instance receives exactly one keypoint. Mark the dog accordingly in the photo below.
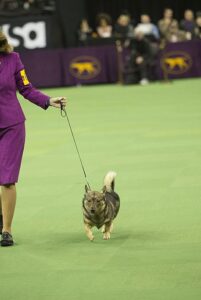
(101, 208)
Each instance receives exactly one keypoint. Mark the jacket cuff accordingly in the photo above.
(47, 104)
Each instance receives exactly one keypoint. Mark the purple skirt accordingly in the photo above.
(12, 141)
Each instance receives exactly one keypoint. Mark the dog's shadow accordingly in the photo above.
(67, 239)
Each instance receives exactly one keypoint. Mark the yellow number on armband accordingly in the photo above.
(24, 77)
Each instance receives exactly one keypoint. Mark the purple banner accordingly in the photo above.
(89, 65)
(43, 67)
(180, 60)
(93, 65)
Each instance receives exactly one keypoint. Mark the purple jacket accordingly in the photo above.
(13, 78)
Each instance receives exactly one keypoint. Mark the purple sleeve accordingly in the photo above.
(26, 89)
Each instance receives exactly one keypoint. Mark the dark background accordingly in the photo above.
(70, 12)
(66, 19)
(136, 7)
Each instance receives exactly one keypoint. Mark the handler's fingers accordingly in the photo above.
(57, 105)
(63, 101)
(58, 101)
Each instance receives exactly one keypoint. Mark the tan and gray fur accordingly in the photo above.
(101, 208)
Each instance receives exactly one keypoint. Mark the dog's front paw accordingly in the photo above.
(103, 229)
(91, 238)
(106, 236)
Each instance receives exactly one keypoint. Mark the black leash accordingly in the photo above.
(64, 114)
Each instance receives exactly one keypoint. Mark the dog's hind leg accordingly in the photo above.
(88, 231)
(111, 227)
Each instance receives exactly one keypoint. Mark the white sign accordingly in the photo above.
(33, 35)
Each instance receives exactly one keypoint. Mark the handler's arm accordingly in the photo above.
(26, 89)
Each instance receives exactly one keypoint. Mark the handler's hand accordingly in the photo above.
(58, 101)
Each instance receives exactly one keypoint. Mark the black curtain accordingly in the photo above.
(70, 12)
(136, 7)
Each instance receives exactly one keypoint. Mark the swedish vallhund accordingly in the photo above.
(100, 208)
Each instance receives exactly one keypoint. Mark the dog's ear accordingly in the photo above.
(104, 189)
(86, 188)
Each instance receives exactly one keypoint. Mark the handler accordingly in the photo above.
(12, 129)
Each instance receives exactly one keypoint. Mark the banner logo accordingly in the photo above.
(85, 67)
(176, 62)
(31, 35)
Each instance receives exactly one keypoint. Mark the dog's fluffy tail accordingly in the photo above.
(109, 181)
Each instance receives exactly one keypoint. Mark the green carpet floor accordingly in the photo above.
(151, 136)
